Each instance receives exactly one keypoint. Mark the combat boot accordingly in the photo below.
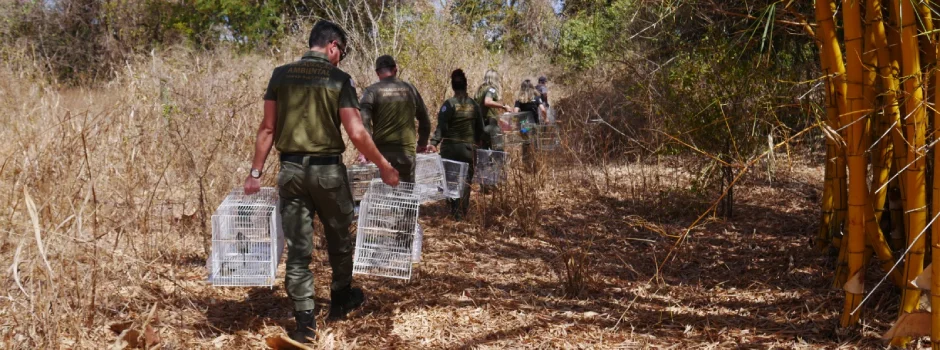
(306, 327)
(343, 301)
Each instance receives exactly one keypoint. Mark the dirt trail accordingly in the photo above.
(748, 282)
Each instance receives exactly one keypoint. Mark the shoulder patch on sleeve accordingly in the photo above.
(492, 90)
(352, 82)
(443, 108)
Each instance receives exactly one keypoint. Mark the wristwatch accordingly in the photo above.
(255, 173)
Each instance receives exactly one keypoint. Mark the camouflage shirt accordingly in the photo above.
(460, 120)
(309, 94)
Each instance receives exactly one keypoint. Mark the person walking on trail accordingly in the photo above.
(389, 109)
(459, 130)
(543, 90)
(305, 103)
(487, 97)
(529, 101)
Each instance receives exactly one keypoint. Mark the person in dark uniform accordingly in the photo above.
(543, 90)
(459, 131)
(529, 101)
(305, 105)
(487, 97)
(389, 110)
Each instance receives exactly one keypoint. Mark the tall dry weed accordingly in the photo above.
(125, 176)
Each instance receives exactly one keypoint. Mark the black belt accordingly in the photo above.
(311, 159)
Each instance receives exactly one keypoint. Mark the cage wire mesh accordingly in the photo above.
(360, 176)
(247, 240)
(513, 122)
(418, 242)
(429, 177)
(490, 167)
(385, 238)
(546, 137)
(456, 175)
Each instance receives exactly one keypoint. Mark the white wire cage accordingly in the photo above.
(247, 240)
(455, 173)
(429, 177)
(360, 176)
(490, 167)
(417, 245)
(385, 236)
(546, 137)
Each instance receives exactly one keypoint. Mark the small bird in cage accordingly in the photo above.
(242, 246)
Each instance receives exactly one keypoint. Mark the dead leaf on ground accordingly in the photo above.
(119, 327)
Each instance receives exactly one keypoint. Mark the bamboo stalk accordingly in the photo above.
(832, 53)
(935, 230)
(914, 181)
(888, 70)
(876, 52)
(855, 157)
(899, 144)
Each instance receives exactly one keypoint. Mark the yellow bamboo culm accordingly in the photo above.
(914, 184)
(835, 70)
(899, 143)
(876, 127)
(935, 232)
(886, 157)
(855, 157)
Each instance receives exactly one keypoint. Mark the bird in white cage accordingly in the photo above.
(242, 246)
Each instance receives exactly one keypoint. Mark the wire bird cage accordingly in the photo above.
(546, 137)
(490, 167)
(429, 177)
(360, 176)
(385, 238)
(247, 240)
(513, 122)
(456, 175)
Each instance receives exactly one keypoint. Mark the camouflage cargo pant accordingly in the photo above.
(305, 191)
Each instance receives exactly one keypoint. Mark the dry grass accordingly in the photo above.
(124, 177)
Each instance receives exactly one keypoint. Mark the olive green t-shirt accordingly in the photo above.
(460, 120)
(309, 94)
(389, 109)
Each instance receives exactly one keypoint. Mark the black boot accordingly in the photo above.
(343, 301)
(306, 327)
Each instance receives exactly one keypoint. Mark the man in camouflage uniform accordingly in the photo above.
(389, 109)
(305, 104)
(459, 131)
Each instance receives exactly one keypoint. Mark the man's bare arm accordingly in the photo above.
(263, 143)
(265, 139)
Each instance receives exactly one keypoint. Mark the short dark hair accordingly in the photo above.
(542, 79)
(324, 32)
(385, 62)
(458, 80)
